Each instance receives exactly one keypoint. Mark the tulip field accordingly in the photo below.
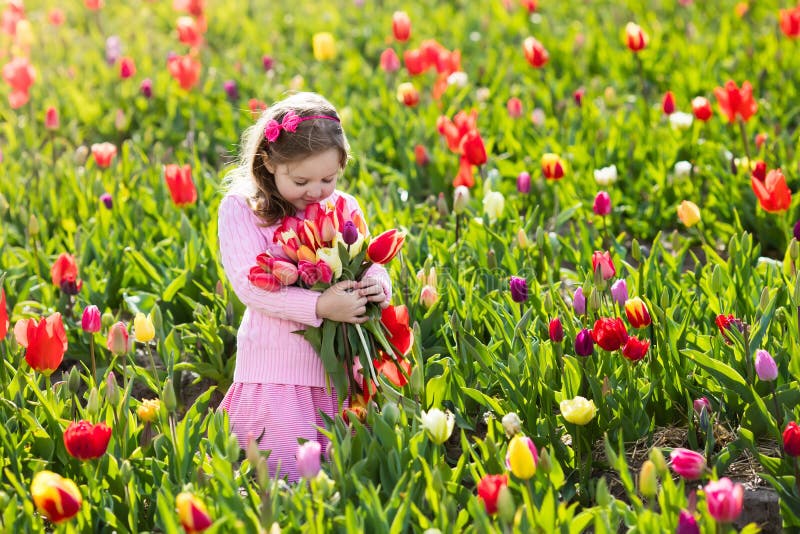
(598, 284)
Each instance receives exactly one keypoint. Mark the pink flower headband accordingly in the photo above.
(289, 124)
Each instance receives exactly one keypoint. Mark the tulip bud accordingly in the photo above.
(556, 330)
(91, 319)
(717, 284)
(125, 472)
(491, 259)
(794, 249)
(595, 301)
(33, 225)
(428, 296)
(441, 205)
(460, 198)
(51, 118)
(544, 465)
(416, 380)
(112, 391)
(146, 88)
(391, 413)
(519, 289)
(74, 380)
(522, 239)
(511, 424)
(648, 483)
(505, 505)
(660, 463)
(107, 319)
(168, 395)
(547, 303)
(93, 404)
(231, 90)
(81, 153)
(701, 404)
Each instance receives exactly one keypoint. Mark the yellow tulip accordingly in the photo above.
(143, 329)
(578, 411)
(192, 513)
(521, 457)
(688, 213)
(331, 257)
(56, 498)
(324, 46)
(148, 410)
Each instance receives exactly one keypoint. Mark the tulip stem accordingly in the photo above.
(796, 475)
(152, 362)
(743, 133)
(778, 413)
(94, 365)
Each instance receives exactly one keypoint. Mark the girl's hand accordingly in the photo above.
(343, 302)
(373, 290)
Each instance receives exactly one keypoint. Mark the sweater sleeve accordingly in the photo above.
(375, 270)
(240, 241)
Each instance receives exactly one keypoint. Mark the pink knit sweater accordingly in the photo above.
(267, 349)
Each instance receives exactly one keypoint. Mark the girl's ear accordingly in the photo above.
(267, 163)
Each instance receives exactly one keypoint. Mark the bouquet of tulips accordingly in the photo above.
(328, 246)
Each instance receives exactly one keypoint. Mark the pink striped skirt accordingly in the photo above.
(279, 414)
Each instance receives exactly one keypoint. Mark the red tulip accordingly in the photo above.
(761, 139)
(127, 67)
(103, 154)
(530, 5)
(790, 22)
(86, 441)
(552, 166)
(64, 274)
(185, 69)
(45, 342)
(668, 103)
(421, 155)
(20, 75)
(389, 60)
(791, 439)
(408, 94)
(734, 101)
(535, 52)
(635, 37)
(3, 315)
(401, 26)
(51, 118)
(473, 149)
(773, 194)
(56, 16)
(489, 489)
(384, 247)
(464, 176)
(180, 184)
(260, 278)
(610, 334)
(729, 322)
(701, 108)
(189, 32)
(94, 5)
(390, 367)
(556, 330)
(396, 321)
(635, 349)
(415, 63)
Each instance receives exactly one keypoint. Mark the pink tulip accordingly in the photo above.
(91, 319)
(688, 464)
(602, 204)
(308, 459)
(724, 499)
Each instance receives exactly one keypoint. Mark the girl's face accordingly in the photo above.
(309, 180)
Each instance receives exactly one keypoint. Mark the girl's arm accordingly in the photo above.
(240, 241)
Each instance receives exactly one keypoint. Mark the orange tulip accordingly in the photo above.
(103, 154)
(734, 101)
(635, 37)
(56, 498)
(790, 22)
(45, 342)
(535, 52)
(401, 26)
(180, 184)
(185, 69)
(773, 194)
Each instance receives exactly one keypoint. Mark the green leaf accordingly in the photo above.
(725, 375)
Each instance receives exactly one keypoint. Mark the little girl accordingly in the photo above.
(290, 158)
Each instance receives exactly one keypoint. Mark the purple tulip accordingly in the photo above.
(349, 233)
(619, 291)
(107, 200)
(701, 403)
(766, 369)
(796, 230)
(584, 344)
(231, 90)
(268, 62)
(524, 182)
(687, 524)
(579, 301)
(309, 459)
(519, 289)
(146, 87)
